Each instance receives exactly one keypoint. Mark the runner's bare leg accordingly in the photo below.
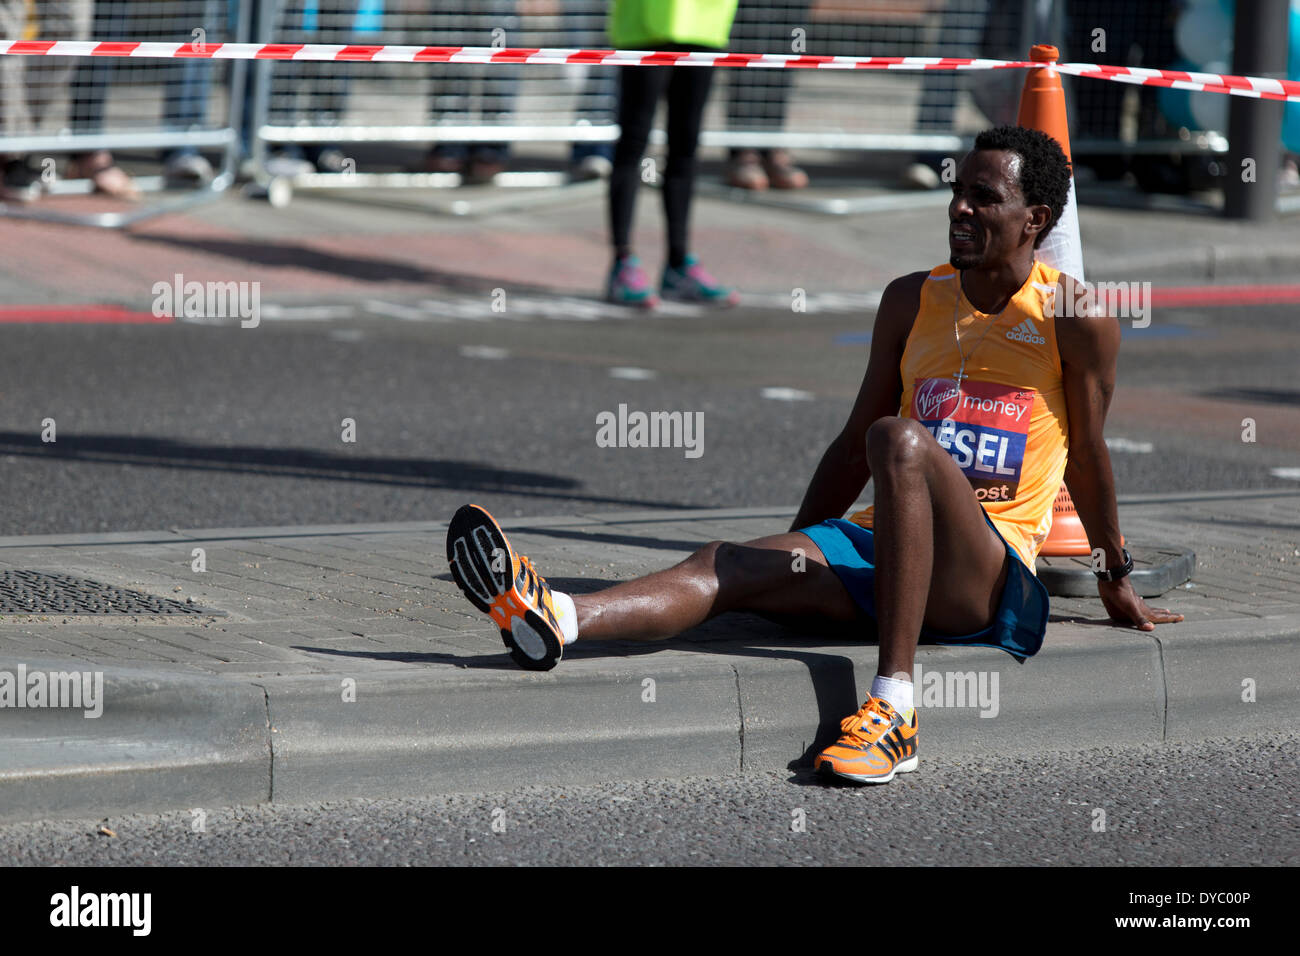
(764, 576)
(938, 563)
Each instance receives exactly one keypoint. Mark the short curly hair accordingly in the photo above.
(1044, 170)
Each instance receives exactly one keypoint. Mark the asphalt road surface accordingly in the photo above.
(1222, 803)
(197, 426)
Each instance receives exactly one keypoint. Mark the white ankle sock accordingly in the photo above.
(567, 615)
(897, 692)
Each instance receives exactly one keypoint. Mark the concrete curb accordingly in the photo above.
(1213, 680)
(1070, 698)
(159, 743)
(177, 535)
(420, 735)
(582, 519)
(173, 741)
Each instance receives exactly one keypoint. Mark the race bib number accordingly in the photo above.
(984, 426)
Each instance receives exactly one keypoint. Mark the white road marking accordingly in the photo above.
(484, 352)
(393, 311)
(1126, 444)
(633, 374)
(782, 394)
(1292, 474)
(305, 313)
(474, 309)
(824, 302)
(524, 308)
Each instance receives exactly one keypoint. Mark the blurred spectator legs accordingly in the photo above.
(455, 96)
(29, 87)
(185, 103)
(474, 95)
(1135, 35)
(310, 92)
(598, 103)
(756, 99)
(965, 33)
(90, 86)
(687, 89)
(600, 93)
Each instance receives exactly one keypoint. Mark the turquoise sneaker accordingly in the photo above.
(629, 285)
(692, 283)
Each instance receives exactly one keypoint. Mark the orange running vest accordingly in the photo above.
(1006, 426)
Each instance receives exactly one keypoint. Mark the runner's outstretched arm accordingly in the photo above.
(843, 471)
(1089, 346)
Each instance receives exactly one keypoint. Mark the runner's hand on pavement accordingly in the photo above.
(1124, 605)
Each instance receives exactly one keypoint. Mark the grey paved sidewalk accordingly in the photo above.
(253, 705)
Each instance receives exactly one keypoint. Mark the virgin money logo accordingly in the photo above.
(936, 398)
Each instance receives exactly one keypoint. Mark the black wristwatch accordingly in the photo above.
(1117, 573)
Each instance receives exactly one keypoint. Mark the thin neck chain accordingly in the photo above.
(956, 304)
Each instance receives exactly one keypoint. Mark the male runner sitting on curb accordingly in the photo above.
(974, 393)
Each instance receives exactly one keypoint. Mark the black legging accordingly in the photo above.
(640, 90)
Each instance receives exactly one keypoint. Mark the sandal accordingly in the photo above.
(782, 173)
(108, 178)
(745, 171)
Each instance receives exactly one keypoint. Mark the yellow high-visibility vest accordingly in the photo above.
(641, 24)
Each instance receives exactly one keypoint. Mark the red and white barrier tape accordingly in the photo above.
(1254, 86)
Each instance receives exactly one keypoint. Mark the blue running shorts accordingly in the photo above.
(1021, 620)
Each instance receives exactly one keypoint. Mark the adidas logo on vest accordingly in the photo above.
(1025, 332)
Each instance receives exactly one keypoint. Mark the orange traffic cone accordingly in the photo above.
(1042, 107)
(1067, 536)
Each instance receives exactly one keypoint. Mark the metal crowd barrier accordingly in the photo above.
(69, 108)
(307, 117)
(300, 121)
(462, 110)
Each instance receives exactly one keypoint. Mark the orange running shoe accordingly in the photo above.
(504, 586)
(877, 744)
